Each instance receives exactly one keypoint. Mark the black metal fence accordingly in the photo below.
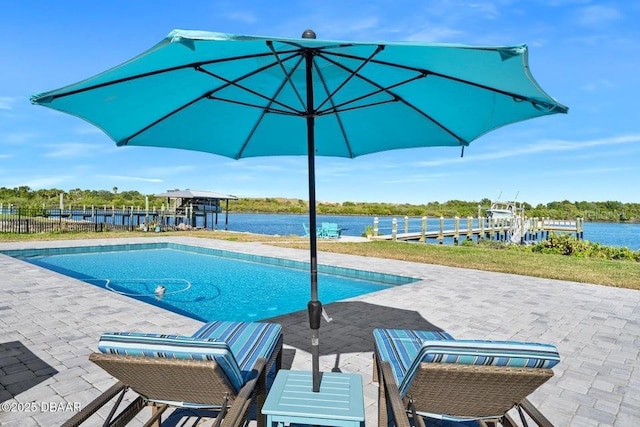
(19, 220)
(14, 219)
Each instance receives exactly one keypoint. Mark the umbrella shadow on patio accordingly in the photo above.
(350, 331)
(21, 369)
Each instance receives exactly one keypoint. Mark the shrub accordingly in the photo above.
(565, 244)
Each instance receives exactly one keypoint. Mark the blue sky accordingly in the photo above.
(583, 53)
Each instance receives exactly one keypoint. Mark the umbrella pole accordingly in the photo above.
(314, 306)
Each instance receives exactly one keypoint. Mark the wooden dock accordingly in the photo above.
(520, 230)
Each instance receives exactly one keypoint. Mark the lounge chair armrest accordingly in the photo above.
(392, 394)
(240, 410)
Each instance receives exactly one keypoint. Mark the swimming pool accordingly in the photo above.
(204, 283)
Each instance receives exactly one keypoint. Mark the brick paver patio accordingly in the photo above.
(49, 323)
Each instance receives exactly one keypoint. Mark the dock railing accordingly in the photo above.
(518, 230)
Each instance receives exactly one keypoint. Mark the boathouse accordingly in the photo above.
(197, 208)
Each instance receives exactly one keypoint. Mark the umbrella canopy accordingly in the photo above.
(246, 96)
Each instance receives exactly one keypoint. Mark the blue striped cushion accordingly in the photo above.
(173, 347)
(248, 341)
(448, 350)
(401, 346)
(494, 353)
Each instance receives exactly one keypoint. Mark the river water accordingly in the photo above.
(608, 234)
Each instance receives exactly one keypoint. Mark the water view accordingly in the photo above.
(604, 233)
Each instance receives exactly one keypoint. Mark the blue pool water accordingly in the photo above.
(207, 284)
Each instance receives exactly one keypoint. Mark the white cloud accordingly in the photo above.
(7, 102)
(262, 167)
(537, 148)
(87, 130)
(132, 178)
(364, 23)
(172, 170)
(588, 171)
(244, 17)
(418, 178)
(70, 150)
(598, 16)
(18, 137)
(436, 34)
(597, 85)
(484, 9)
(39, 182)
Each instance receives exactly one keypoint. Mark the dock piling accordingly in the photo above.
(525, 229)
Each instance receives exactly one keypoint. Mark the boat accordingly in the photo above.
(511, 214)
(500, 210)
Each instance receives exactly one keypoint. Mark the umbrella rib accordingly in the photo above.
(49, 98)
(288, 74)
(251, 91)
(401, 99)
(256, 106)
(209, 94)
(338, 118)
(266, 109)
(126, 140)
(375, 92)
(328, 46)
(364, 62)
(342, 110)
(536, 103)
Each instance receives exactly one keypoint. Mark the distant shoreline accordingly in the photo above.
(635, 221)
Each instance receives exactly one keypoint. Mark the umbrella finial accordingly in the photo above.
(309, 34)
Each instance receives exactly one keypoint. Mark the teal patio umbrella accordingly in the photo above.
(245, 96)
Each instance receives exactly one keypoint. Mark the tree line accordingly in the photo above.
(613, 211)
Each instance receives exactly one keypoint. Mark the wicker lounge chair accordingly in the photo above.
(223, 368)
(429, 376)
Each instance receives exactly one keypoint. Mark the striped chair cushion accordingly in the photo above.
(447, 350)
(248, 341)
(400, 347)
(173, 347)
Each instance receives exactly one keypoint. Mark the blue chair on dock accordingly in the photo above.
(330, 230)
(222, 369)
(426, 374)
(307, 231)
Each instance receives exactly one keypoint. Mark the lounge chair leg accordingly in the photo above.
(156, 414)
(507, 421)
(534, 413)
(115, 407)
(279, 361)
(383, 416)
(127, 415)
(418, 421)
(96, 404)
(375, 370)
(261, 391)
(222, 413)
